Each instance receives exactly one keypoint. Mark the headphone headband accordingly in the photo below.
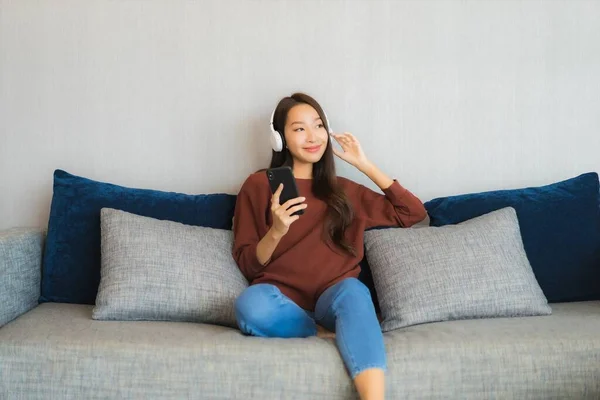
(273, 116)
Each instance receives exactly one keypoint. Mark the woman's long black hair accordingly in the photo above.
(324, 184)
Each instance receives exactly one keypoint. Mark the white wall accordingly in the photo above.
(446, 96)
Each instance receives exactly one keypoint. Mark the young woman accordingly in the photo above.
(303, 269)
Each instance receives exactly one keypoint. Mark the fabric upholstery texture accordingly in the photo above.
(475, 269)
(560, 227)
(57, 351)
(71, 272)
(20, 271)
(163, 270)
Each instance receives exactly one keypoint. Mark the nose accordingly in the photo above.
(310, 135)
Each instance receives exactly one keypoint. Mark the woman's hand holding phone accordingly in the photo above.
(282, 213)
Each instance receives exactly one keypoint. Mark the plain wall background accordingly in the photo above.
(448, 97)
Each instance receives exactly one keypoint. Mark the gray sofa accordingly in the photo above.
(56, 351)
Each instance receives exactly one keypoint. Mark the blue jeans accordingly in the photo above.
(345, 308)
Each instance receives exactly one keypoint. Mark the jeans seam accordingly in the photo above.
(352, 366)
(341, 342)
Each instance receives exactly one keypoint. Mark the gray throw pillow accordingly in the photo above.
(475, 269)
(157, 270)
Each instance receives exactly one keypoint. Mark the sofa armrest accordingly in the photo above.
(20, 271)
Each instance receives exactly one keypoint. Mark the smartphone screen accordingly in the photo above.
(290, 189)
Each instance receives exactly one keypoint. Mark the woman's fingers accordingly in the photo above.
(275, 197)
(292, 210)
(292, 202)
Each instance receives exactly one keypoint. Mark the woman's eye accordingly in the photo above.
(320, 126)
(298, 129)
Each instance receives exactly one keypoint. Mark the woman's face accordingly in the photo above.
(305, 134)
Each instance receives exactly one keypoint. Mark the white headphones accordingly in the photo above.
(277, 138)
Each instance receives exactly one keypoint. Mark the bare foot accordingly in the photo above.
(324, 333)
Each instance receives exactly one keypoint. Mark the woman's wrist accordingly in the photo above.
(274, 234)
(267, 245)
(376, 175)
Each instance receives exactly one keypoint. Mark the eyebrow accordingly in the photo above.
(298, 122)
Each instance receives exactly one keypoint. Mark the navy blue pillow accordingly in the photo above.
(560, 227)
(71, 266)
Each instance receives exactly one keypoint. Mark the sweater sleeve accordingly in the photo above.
(397, 207)
(248, 224)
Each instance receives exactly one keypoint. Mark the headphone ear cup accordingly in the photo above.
(276, 142)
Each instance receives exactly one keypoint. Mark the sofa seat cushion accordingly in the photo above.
(57, 351)
(540, 357)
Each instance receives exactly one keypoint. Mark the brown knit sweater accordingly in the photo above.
(303, 265)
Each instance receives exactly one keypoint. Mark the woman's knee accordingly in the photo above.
(353, 287)
(262, 310)
(253, 305)
(348, 294)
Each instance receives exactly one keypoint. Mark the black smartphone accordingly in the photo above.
(290, 189)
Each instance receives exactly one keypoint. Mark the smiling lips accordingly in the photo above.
(313, 149)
